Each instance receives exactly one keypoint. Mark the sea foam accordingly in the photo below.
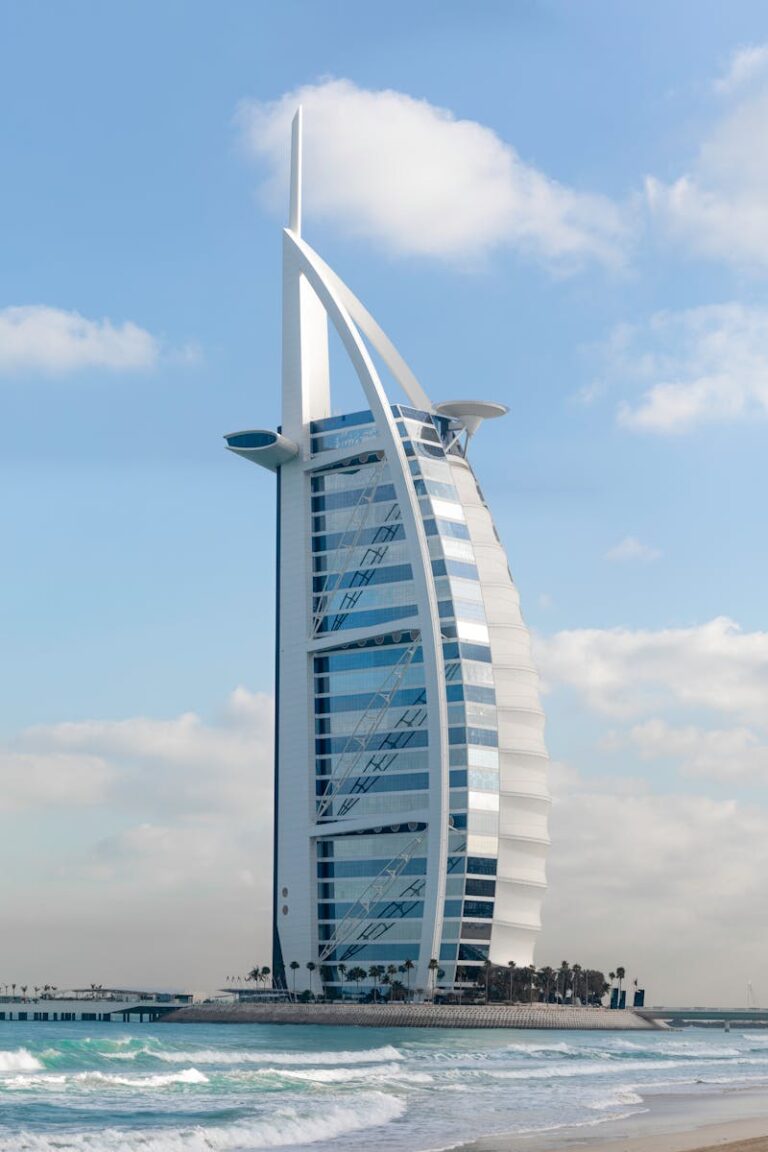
(19, 1061)
(284, 1127)
(253, 1056)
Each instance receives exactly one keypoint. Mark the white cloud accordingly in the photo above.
(55, 780)
(744, 66)
(622, 672)
(698, 366)
(719, 209)
(655, 882)
(177, 765)
(160, 854)
(414, 179)
(37, 338)
(727, 754)
(630, 548)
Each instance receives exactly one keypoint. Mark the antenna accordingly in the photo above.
(294, 215)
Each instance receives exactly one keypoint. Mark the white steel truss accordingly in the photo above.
(368, 724)
(360, 912)
(357, 523)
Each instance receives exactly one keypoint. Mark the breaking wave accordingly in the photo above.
(253, 1056)
(19, 1061)
(56, 1080)
(284, 1127)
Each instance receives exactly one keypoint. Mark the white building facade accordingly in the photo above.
(411, 793)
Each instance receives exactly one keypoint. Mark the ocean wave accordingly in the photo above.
(57, 1080)
(19, 1061)
(253, 1056)
(581, 1068)
(693, 1049)
(616, 1098)
(283, 1128)
(346, 1075)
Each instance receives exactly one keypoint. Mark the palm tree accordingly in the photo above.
(433, 967)
(376, 971)
(357, 974)
(531, 979)
(294, 967)
(620, 974)
(408, 966)
(487, 969)
(342, 970)
(612, 977)
(565, 969)
(576, 973)
(311, 966)
(265, 974)
(511, 965)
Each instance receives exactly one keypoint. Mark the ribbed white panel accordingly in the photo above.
(523, 796)
(523, 859)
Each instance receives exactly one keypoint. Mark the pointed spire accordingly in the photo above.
(294, 219)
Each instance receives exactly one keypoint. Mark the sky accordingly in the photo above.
(558, 206)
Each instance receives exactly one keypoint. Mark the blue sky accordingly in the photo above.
(595, 255)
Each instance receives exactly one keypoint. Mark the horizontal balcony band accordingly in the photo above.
(518, 744)
(521, 794)
(525, 838)
(537, 754)
(324, 460)
(350, 636)
(533, 928)
(541, 885)
(369, 824)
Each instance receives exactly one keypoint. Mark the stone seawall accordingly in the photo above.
(416, 1016)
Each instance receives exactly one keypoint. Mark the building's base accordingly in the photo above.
(416, 1016)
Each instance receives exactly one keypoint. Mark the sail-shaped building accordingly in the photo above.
(411, 794)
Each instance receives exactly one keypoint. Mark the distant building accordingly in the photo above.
(411, 795)
(93, 1003)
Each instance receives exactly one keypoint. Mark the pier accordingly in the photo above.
(101, 1005)
(707, 1017)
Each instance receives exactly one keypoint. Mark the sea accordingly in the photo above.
(210, 1088)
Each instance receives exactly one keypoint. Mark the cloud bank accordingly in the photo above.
(691, 368)
(718, 209)
(622, 672)
(37, 338)
(158, 847)
(418, 181)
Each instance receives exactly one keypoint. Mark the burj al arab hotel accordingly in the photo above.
(411, 794)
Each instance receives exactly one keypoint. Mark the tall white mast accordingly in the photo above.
(294, 214)
(306, 374)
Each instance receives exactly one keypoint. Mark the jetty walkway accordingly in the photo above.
(418, 1016)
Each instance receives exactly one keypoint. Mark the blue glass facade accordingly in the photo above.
(371, 705)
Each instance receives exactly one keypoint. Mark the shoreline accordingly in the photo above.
(509, 1016)
(734, 1120)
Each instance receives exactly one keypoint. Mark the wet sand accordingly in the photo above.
(731, 1121)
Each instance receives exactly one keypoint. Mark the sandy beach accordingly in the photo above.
(736, 1120)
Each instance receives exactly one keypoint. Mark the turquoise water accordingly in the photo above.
(236, 1088)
